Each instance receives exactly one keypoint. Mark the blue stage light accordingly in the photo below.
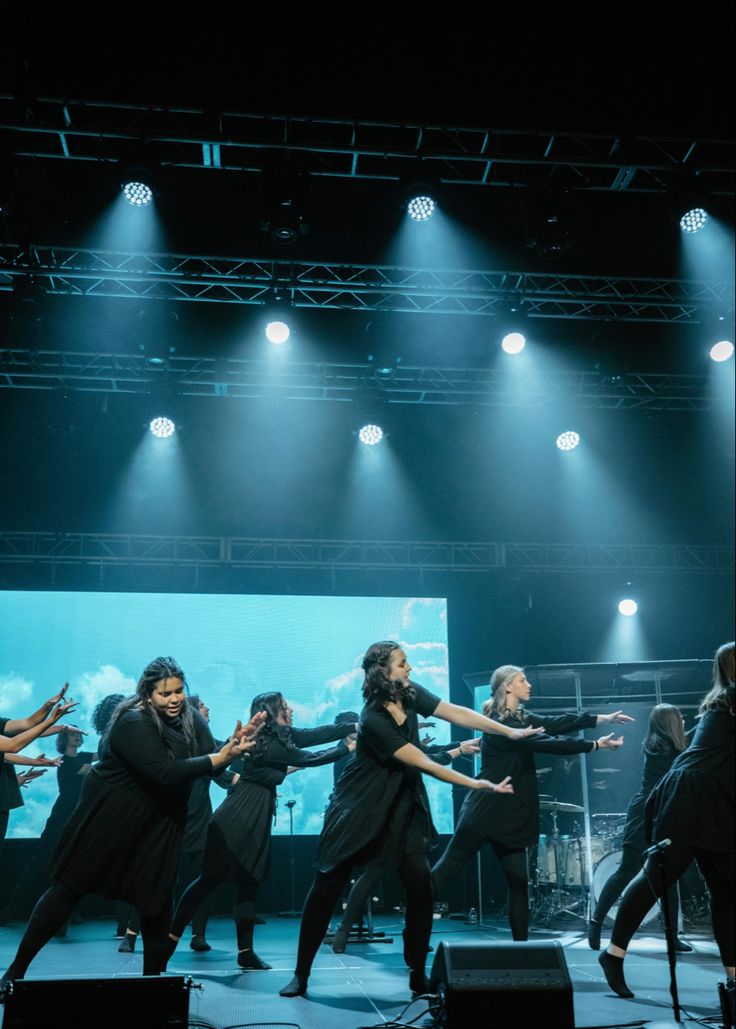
(513, 342)
(162, 428)
(568, 440)
(693, 220)
(138, 194)
(628, 607)
(420, 208)
(277, 332)
(721, 351)
(370, 435)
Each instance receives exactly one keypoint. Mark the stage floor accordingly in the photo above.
(369, 985)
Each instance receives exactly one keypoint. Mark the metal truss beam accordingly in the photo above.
(43, 548)
(242, 378)
(190, 137)
(78, 271)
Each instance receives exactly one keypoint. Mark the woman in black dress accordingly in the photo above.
(124, 837)
(693, 807)
(379, 807)
(509, 826)
(239, 837)
(665, 739)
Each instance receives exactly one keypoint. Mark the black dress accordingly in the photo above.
(124, 837)
(379, 807)
(694, 802)
(239, 838)
(656, 764)
(513, 820)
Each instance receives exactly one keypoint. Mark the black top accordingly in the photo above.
(239, 837)
(376, 793)
(655, 766)
(513, 819)
(124, 837)
(694, 801)
(3, 723)
(10, 795)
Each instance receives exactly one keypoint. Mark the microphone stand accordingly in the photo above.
(293, 913)
(669, 933)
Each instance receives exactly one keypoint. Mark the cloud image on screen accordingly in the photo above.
(231, 647)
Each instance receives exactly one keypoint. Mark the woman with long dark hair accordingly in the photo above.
(510, 826)
(124, 836)
(239, 837)
(665, 739)
(691, 813)
(379, 808)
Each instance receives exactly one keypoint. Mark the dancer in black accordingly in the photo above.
(443, 754)
(665, 739)
(380, 808)
(691, 812)
(72, 767)
(239, 838)
(124, 837)
(510, 826)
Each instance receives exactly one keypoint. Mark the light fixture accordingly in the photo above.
(162, 427)
(370, 435)
(420, 207)
(513, 342)
(277, 332)
(722, 350)
(628, 607)
(693, 219)
(568, 440)
(137, 181)
(284, 189)
(138, 194)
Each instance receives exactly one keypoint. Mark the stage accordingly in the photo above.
(368, 985)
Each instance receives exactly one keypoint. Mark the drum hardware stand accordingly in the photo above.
(293, 913)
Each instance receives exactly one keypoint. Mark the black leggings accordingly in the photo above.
(463, 846)
(360, 892)
(416, 879)
(717, 869)
(628, 869)
(53, 910)
(195, 895)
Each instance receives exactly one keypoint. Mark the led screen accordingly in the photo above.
(231, 648)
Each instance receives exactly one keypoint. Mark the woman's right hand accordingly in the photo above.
(61, 709)
(495, 787)
(47, 706)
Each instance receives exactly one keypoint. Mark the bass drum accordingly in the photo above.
(602, 872)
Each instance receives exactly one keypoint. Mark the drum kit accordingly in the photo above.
(561, 882)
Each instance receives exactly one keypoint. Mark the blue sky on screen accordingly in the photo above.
(231, 648)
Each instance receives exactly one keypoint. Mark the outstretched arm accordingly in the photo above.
(14, 744)
(473, 720)
(16, 725)
(416, 758)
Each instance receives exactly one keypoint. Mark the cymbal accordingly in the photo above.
(543, 771)
(598, 771)
(558, 805)
(612, 814)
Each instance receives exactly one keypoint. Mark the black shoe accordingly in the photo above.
(127, 944)
(613, 969)
(682, 946)
(340, 940)
(120, 930)
(418, 982)
(199, 943)
(296, 988)
(594, 934)
(249, 959)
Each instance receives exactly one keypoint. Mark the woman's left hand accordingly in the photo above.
(247, 733)
(615, 716)
(521, 734)
(25, 777)
(46, 762)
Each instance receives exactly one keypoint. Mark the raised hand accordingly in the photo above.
(61, 709)
(25, 777)
(47, 762)
(610, 742)
(47, 705)
(250, 730)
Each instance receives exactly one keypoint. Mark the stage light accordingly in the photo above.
(277, 332)
(370, 435)
(284, 190)
(162, 428)
(420, 207)
(693, 220)
(628, 607)
(138, 194)
(513, 342)
(721, 351)
(568, 440)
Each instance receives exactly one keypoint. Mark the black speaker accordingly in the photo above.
(509, 985)
(125, 1002)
